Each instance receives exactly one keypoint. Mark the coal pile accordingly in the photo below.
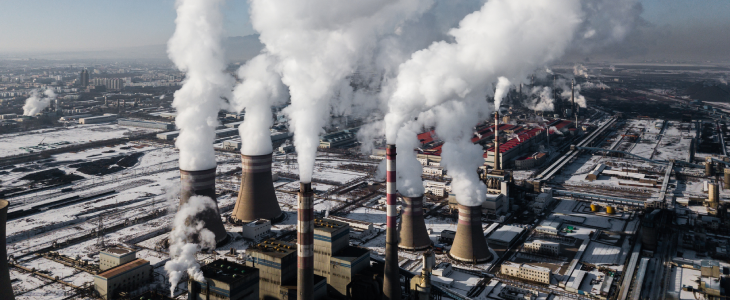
(107, 165)
(52, 177)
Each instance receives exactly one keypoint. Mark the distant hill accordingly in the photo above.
(238, 48)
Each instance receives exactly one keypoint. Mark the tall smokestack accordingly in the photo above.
(256, 197)
(413, 232)
(469, 245)
(6, 289)
(572, 99)
(391, 276)
(305, 243)
(202, 183)
(496, 140)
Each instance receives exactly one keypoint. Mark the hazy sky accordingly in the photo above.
(72, 25)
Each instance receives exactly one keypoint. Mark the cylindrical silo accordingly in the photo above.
(594, 207)
(610, 210)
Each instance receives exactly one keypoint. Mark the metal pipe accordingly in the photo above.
(305, 242)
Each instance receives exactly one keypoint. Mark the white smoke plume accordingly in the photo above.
(503, 85)
(318, 44)
(37, 102)
(541, 99)
(260, 90)
(196, 49)
(722, 80)
(188, 236)
(593, 85)
(555, 130)
(163, 96)
(613, 68)
(408, 168)
(580, 70)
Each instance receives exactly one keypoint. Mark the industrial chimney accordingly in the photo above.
(391, 274)
(469, 245)
(305, 242)
(6, 289)
(256, 197)
(413, 233)
(496, 140)
(202, 183)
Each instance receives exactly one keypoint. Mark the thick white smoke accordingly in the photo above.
(580, 70)
(188, 236)
(260, 90)
(318, 44)
(196, 49)
(501, 91)
(37, 102)
(580, 100)
(541, 99)
(408, 168)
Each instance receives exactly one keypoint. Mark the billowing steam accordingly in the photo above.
(408, 168)
(196, 49)
(722, 80)
(555, 130)
(37, 102)
(541, 99)
(260, 90)
(318, 44)
(580, 70)
(502, 89)
(188, 236)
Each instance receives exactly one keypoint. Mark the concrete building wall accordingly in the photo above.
(527, 272)
(130, 280)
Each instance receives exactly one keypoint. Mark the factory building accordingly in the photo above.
(146, 124)
(358, 229)
(495, 204)
(525, 271)
(530, 161)
(542, 201)
(225, 280)
(98, 119)
(256, 230)
(277, 264)
(339, 139)
(548, 227)
(334, 258)
(525, 141)
(115, 256)
(168, 136)
(543, 247)
(505, 236)
(123, 278)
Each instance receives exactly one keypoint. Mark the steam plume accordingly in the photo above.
(408, 168)
(196, 49)
(502, 89)
(318, 44)
(261, 88)
(36, 102)
(541, 99)
(188, 236)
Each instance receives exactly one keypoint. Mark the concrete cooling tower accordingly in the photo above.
(202, 183)
(6, 290)
(469, 245)
(412, 230)
(256, 198)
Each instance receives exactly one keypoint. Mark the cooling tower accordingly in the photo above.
(6, 290)
(391, 274)
(305, 242)
(202, 183)
(413, 233)
(469, 245)
(256, 198)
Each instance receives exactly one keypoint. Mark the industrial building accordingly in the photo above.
(146, 124)
(549, 227)
(277, 264)
(495, 204)
(525, 271)
(225, 280)
(339, 139)
(115, 256)
(505, 236)
(6, 289)
(123, 278)
(334, 258)
(543, 247)
(168, 136)
(525, 141)
(98, 119)
(256, 230)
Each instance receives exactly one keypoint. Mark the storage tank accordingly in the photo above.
(610, 210)
(594, 207)
(6, 289)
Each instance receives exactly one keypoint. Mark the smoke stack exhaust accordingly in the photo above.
(496, 140)
(256, 197)
(469, 245)
(305, 243)
(572, 100)
(413, 232)
(202, 183)
(391, 274)
(6, 289)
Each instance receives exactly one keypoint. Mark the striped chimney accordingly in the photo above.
(305, 242)
(391, 280)
(496, 140)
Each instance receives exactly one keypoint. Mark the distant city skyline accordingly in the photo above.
(47, 26)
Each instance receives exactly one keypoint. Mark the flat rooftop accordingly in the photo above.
(117, 250)
(226, 271)
(506, 233)
(351, 253)
(118, 270)
(274, 248)
(328, 225)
